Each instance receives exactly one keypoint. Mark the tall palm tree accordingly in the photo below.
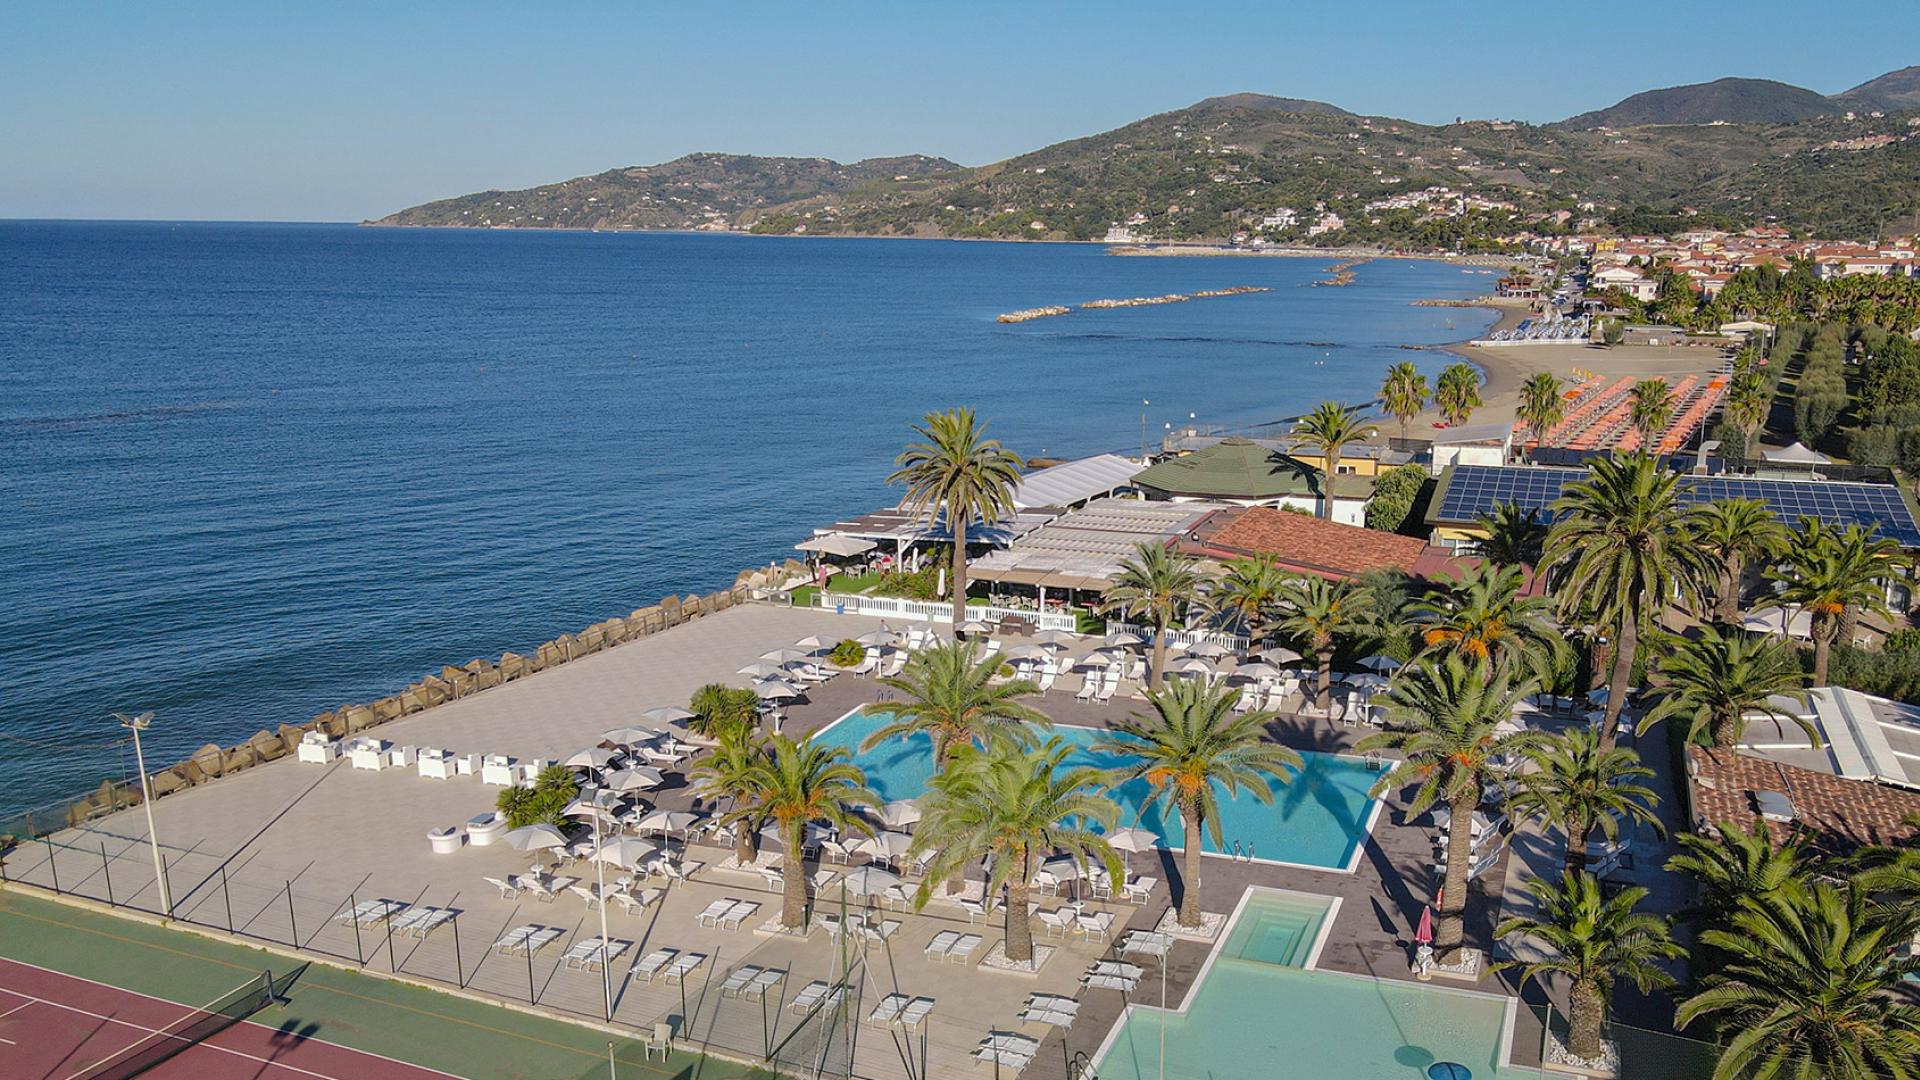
(1835, 575)
(1156, 585)
(954, 470)
(1249, 591)
(796, 783)
(1329, 428)
(1735, 864)
(1719, 682)
(1748, 400)
(1515, 536)
(949, 694)
(1541, 406)
(1592, 941)
(1619, 552)
(1013, 804)
(1321, 614)
(1813, 987)
(1458, 393)
(1578, 787)
(1191, 749)
(1445, 717)
(1734, 533)
(734, 771)
(1404, 393)
(1485, 617)
(1650, 407)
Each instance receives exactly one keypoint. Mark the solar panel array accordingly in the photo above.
(1478, 489)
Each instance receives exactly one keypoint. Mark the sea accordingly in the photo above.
(250, 472)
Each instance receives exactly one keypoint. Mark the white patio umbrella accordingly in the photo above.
(666, 821)
(1025, 652)
(639, 778)
(1192, 665)
(882, 636)
(593, 757)
(784, 656)
(1056, 637)
(974, 626)
(1122, 640)
(1257, 669)
(667, 714)
(1098, 659)
(1209, 649)
(631, 736)
(813, 643)
(869, 880)
(899, 814)
(1132, 839)
(625, 852)
(886, 846)
(1383, 664)
(603, 804)
(534, 837)
(1280, 655)
(761, 669)
(1367, 680)
(775, 690)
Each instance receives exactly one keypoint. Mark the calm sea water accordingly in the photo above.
(250, 472)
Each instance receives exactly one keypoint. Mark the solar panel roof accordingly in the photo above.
(1477, 489)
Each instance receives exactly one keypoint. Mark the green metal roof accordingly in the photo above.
(1243, 469)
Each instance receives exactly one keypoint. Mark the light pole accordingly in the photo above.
(600, 881)
(138, 724)
(1143, 429)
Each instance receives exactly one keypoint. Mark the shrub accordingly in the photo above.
(719, 708)
(544, 803)
(1394, 494)
(848, 653)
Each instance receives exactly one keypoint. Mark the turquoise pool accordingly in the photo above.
(1319, 819)
(1257, 1013)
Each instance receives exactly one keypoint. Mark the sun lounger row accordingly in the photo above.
(900, 1010)
(1088, 924)
(1146, 943)
(594, 953)
(1054, 1010)
(952, 946)
(749, 981)
(818, 995)
(669, 964)
(1007, 1049)
(727, 914)
(1112, 975)
(867, 933)
(530, 938)
(369, 913)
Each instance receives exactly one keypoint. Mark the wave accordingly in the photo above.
(118, 416)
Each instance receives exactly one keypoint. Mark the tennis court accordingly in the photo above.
(59, 1026)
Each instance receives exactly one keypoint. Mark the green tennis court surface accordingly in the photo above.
(407, 1023)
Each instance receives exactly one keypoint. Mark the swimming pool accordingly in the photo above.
(1319, 819)
(1257, 1012)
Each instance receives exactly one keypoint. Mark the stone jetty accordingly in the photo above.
(1132, 301)
(1030, 314)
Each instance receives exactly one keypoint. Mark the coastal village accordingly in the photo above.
(1501, 686)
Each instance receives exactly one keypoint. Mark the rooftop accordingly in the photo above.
(1243, 469)
(1075, 481)
(894, 525)
(1830, 812)
(1308, 544)
(1083, 549)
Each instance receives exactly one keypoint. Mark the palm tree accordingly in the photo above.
(954, 470)
(1578, 787)
(1011, 804)
(948, 693)
(1484, 617)
(1249, 591)
(1733, 533)
(1541, 406)
(1445, 717)
(1157, 584)
(1748, 399)
(719, 709)
(734, 772)
(1813, 986)
(1733, 864)
(1835, 575)
(1404, 393)
(1719, 682)
(1457, 393)
(1620, 551)
(1328, 429)
(1191, 749)
(1515, 536)
(1320, 614)
(1592, 941)
(1650, 408)
(795, 783)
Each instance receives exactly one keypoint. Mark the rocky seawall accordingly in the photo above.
(1028, 314)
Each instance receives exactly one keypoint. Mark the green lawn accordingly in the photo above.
(438, 1031)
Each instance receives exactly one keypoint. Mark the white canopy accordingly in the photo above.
(836, 544)
(1797, 454)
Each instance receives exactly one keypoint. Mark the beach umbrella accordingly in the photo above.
(1122, 640)
(761, 669)
(1098, 659)
(1383, 664)
(666, 821)
(603, 804)
(625, 852)
(686, 733)
(784, 656)
(1056, 637)
(534, 837)
(869, 880)
(1279, 655)
(882, 636)
(668, 714)
(974, 626)
(1367, 680)
(775, 690)
(1208, 649)
(1192, 665)
(899, 814)
(639, 778)
(1025, 652)
(629, 736)
(1132, 839)
(1257, 669)
(1424, 935)
(592, 757)
(886, 846)
(813, 642)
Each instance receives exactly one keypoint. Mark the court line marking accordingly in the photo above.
(145, 1030)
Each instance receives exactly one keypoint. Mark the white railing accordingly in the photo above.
(1236, 642)
(936, 611)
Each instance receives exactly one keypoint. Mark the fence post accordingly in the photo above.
(226, 895)
(388, 923)
(166, 890)
(293, 926)
(353, 916)
(459, 976)
(53, 864)
(107, 872)
(531, 999)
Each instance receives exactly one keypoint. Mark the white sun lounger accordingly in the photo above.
(737, 914)
(1139, 888)
(507, 892)
(1054, 1010)
(888, 1010)
(975, 909)
(710, 916)
(683, 966)
(1116, 967)
(817, 993)
(588, 955)
(738, 979)
(528, 939)
(422, 921)
(878, 935)
(370, 912)
(653, 963)
(942, 941)
(633, 902)
(1108, 982)
(761, 983)
(963, 949)
(514, 938)
(1093, 924)
(1057, 923)
(915, 1013)
(1146, 943)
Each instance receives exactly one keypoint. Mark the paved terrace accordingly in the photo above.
(277, 851)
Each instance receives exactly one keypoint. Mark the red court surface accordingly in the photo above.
(55, 1026)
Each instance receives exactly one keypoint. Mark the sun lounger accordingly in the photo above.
(1088, 687)
(1107, 982)
(1054, 1010)
(585, 892)
(1116, 967)
(1057, 923)
(710, 916)
(1139, 888)
(1002, 1048)
(975, 909)
(634, 902)
(738, 914)
(963, 949)
(871, 934)
(514, 938)
(421, 921)
(507, 892)
(817, 994)
(527, 939)
(370, 913)
(888, 1010)
(942, 941)
(763, 982)
(1092, 924)
(1146, 943)
(915, 1013)
(738, 980)
(653, 963)
(590, 954)
(683, 965)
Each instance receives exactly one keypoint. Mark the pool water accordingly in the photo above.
(1258, 1013)
(1319, 818)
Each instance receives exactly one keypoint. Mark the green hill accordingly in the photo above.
(1727, 101)
(1893, 91)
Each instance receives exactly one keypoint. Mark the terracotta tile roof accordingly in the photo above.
(1304, 543)
(1832, 813)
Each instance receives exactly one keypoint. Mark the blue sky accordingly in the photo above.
(339, 111)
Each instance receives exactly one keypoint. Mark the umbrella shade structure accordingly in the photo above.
(761, 669)
(1257, 669)
(667, 821)
(668, 714)
(784, 656)
(1097, 659)
(632, 736)
(636, 779)
(816, 832)
(604, 805)
(1383, 664)
(593, 757)
(869, 880)
(887, 846)
(534, 837)
(974, 626)
(1056, 637)
(1280, 655)
(899, 814)
(1424, 934)
(775, 690)
(1210, 649)
(813, 643)
(1132, 839)
(1192, 665)
(1367, 680)
(625, 852)
(683, 730)
(878, 637)
(1122, 640)
(1026, 652)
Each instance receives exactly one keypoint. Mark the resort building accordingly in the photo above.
(1075, 483)
(1072, 559)
(1302, 544)
(1250, 472)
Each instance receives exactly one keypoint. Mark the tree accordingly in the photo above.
(1813, 986)
(1733, 864)
(1732, 533)
(955, 471)
(1541, 406)
(949, 694)
(1613, 331)
(1395, 494)
(1457, 393)
(1650, 406)
(1577, 787)
(545, 803)
(1329, 428)
(1445, 717)
(1010, 804)
(1515, 536)
(1404, 393)
(719, 709)
(1157, 584)
(1749, 398)
(1591, 941)
(1248, 593)
(1321, 614)
(1484, 617)
(1620, 551)
(1722, 680)
(1835, 575)
(795, 783)
(734, 772)
(1191, 749)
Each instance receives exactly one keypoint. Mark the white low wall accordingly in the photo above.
(936, 611)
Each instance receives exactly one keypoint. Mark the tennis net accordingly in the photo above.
(196, 1027)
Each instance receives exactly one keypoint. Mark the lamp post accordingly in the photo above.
(138, 724)
(1143, 429)
(600, 882)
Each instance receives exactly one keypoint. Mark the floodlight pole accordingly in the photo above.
(138, 724)
(606, 959)
(1143, 429)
